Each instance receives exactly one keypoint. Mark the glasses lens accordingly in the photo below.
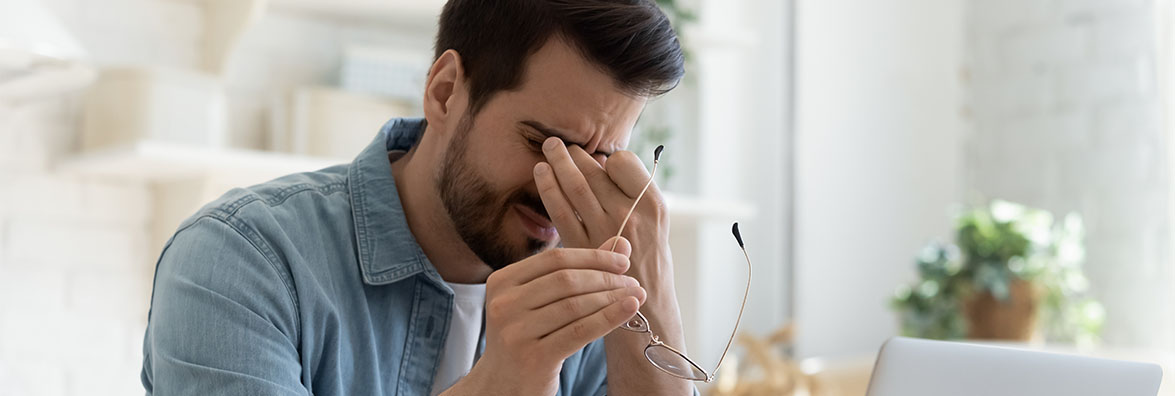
(638, 323)
(674, 363)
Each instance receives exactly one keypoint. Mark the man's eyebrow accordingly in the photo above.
(553, 132)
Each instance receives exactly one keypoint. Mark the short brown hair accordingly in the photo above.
(632, 40)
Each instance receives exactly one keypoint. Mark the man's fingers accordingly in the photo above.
(560, 313)
(618, 245)
(572, 337)
(558, 207)
(627, 171)
(571, 180)
(567, 283)
(602, 185)
(557, 259)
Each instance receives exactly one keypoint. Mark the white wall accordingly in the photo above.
(75, 255)
(1166, 67)
(737, 153)
(73, 264)
(877, 159)
(1067, 117)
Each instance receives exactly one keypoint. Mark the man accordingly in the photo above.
(374, 277)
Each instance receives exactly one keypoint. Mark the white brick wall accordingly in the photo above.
(1065, 116)
(75, 255)
(74, 268)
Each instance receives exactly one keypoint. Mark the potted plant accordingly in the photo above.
(1012, 273)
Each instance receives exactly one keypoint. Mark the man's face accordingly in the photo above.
(486, 179)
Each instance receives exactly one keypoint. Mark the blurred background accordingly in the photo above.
(960, 169)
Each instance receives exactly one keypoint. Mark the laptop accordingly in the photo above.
(914, 367)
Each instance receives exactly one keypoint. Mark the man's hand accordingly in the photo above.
(587, 199)
(543, 309)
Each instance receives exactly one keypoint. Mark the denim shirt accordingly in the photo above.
(310, 284)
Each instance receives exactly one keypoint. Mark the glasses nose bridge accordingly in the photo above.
(638, 323)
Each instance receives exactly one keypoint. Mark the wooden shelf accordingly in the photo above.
(154, 161)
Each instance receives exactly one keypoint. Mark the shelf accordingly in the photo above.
(154, 161)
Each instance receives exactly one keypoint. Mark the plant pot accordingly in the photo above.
(988, 318)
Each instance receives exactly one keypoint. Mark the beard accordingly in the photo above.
(477, 211)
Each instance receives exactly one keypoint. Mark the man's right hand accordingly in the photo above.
(541, 310)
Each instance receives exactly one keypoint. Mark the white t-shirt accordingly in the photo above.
(464, 334)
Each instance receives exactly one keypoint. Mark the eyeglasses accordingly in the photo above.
(663, 356)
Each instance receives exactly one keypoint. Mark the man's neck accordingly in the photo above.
(430, 225)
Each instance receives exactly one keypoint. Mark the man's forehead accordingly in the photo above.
(566, 93)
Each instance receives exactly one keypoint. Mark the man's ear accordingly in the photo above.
(446, 81)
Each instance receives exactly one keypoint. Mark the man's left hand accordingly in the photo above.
(587, 199)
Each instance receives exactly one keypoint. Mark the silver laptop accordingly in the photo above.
(913, 367)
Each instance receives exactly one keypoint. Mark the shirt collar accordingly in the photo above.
(386, 248)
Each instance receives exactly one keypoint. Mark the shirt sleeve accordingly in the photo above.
(223, 317)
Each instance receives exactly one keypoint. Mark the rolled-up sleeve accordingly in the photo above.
(223, 317)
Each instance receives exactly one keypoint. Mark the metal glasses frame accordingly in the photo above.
(640, 324)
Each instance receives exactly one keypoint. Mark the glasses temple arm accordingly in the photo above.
(746, 293)
(634, 203)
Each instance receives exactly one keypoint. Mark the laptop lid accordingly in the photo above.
(915, 367)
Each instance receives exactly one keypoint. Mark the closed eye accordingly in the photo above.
(536, 144)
